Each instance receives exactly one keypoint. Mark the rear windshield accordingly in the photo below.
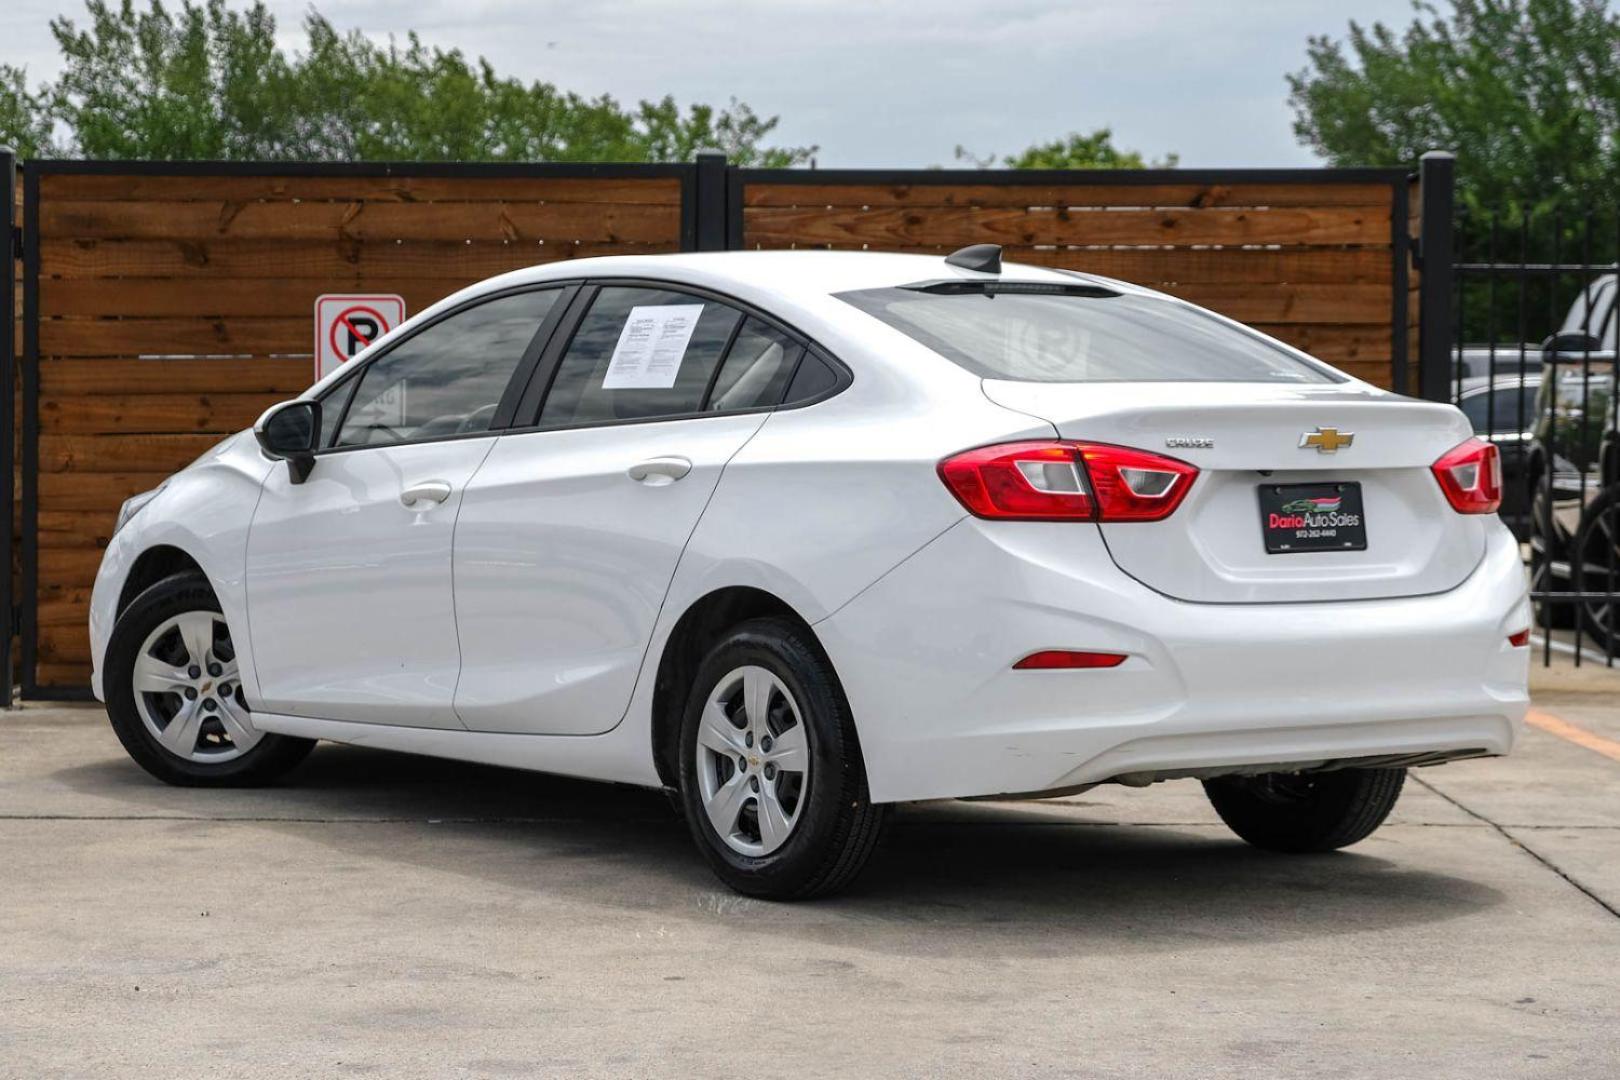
(1057, 334)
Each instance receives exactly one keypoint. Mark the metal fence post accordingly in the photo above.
(1437, 176)
(8, 414)
(712, 213)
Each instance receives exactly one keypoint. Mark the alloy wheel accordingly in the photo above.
(753, 760)
(187, 690)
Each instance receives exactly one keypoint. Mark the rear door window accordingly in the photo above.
(639, 353)
(1054, 333)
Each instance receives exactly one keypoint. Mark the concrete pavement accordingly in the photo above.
(378, 915)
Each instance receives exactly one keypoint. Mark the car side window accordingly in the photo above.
(449, 378)
(639, 353)
(756, 370)
(814, 377)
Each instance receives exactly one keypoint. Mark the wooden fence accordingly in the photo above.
(172, 305)
(1316, 258)
(166, 305)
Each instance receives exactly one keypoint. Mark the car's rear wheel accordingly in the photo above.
(772, 782)
(1308, 811)
(174, 696)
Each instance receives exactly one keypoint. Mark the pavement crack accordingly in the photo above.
(1522, 846)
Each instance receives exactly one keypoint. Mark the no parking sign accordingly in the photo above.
(345, 323)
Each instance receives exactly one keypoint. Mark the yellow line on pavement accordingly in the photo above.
(1554, 725)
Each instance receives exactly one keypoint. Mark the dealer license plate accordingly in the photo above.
(1312, 517)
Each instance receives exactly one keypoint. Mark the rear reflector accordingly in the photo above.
(1060, 480)
(1470, 474)
(1520, 639)
(1063, 658)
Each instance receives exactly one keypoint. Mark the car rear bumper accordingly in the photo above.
(926, 653)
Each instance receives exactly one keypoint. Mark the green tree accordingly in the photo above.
(25, 124)
(1074, 151)
(1526, 92)
(206, 81)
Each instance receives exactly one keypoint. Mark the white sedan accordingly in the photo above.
(802, 535)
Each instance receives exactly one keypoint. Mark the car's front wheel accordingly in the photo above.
(174, 696)
(1308, 811)
(772, 782)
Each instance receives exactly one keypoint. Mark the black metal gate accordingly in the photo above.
(1532, 362)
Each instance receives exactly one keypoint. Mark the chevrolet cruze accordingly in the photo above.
(802, 535)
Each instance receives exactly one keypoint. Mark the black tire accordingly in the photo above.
(837, 827)
(1306, 812)
(1596, 560)
(1543, 538)
(268, 759)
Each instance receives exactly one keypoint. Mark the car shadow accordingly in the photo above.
(995, 879)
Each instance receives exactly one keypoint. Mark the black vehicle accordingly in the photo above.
(1572, 469)
(1503, 410)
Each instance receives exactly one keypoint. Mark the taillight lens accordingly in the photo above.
(1470, 474)
(1060, 480)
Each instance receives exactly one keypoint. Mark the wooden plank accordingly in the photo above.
(64, 644)
(1291, 303)
(290, 297)
(67, 608)
(1335, 344)
(343, 263)
(1162, 266)
(1377, 372)
(98, 492)
(70, 378)
(782, 227)
(405, 189)
(238, 335)
(121, 453)
(74, 528)
(134, 414)
(373, 222)
(62, 676)
(1079, 194)
(77, 565)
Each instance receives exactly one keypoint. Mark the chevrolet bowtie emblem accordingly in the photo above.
(1327, 440)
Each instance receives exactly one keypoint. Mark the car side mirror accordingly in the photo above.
(1570, 343)
(290, 432)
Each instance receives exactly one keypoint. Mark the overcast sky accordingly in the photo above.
(885, 83)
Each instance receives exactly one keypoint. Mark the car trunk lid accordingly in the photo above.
(1324, 442)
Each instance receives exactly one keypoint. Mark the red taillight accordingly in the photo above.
(1055, 659)
(1067, 481)
(1519, 638)
(1470, 474)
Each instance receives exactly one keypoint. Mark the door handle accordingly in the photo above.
(659, 471)
(428, 491)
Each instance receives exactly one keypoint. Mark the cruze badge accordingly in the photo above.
(1190, 442)
(1326, 440)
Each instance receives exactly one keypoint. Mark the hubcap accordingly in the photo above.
(753, 761)
(187, 692)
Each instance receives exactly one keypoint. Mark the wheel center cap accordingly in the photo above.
(207, 687)
(753, 762)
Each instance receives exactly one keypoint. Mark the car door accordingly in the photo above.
(350, 603)
(570, 533)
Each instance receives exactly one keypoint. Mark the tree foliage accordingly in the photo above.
(1073, 151)
(208, 81)
(1526, 92)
